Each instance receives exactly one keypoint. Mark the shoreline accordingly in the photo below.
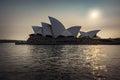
(9, 41)
(76, 41)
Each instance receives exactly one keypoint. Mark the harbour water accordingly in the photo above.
(59, 62)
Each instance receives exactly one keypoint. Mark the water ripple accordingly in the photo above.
(59, 62)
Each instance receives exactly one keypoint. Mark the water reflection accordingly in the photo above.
(94, 57)
(64, 62)
(59, 62)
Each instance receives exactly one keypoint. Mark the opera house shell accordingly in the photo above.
(90, 34)
(56, 29)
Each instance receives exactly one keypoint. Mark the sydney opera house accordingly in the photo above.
(56, 33)
(56, 29)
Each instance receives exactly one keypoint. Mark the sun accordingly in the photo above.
(94, 14)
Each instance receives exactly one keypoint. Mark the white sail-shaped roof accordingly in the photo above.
(74, 30)
(90, 34)
(66, 33)
(47, 30)
(83, 34)
(57, 27)
(37, 29)
(93, 33)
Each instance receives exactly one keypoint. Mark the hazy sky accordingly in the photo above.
(17, 16)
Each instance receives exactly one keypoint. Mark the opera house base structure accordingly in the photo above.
(56, 34)
(39, 40)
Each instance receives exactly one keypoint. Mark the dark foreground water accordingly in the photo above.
(59, 62)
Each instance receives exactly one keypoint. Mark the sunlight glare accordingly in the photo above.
(94, 14)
